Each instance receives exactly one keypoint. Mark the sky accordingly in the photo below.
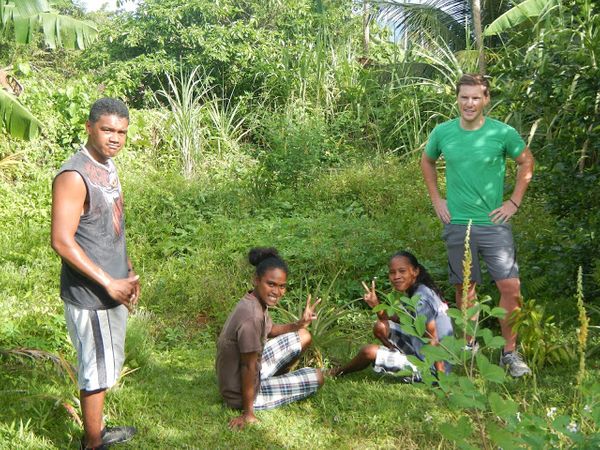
(94, 5)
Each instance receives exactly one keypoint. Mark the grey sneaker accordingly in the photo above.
(515, 364)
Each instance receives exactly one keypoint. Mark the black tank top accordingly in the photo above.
(101, 232)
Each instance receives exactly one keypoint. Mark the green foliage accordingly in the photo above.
(553, 91)
(300, 146)
(28, 16)
(183, 95)
(140, 342)
(540, 337)
(336, 320)
(526, 10)
(16, 118)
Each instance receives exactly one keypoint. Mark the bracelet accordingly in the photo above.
(511, 200)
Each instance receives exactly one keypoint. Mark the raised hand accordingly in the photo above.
(370, 296)
(309, 312)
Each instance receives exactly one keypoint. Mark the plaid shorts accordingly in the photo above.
(395, 360)
(280, 390)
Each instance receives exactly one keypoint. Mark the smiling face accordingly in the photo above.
(402, 274)
(106, 136)
(472, 99)
(270, 287)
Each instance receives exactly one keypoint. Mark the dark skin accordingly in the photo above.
(403, 276)
(268, 289)
(106, 137)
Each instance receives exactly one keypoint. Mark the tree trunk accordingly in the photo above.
(476, 8)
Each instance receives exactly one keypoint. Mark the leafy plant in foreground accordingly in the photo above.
(477, 386)
(329, 330)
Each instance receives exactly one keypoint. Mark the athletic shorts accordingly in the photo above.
(99, 339)
(280, 390)
(493, 243)
(395, 360)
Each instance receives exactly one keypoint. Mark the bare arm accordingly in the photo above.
(525, 163)
(68, 202)
(249, 374)
(428, 167)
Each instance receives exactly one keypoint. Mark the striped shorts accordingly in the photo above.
(280, 390)
(99, 339)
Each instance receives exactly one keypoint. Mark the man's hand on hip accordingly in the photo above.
(504, 213)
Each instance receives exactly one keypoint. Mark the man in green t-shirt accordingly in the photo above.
(475, 148)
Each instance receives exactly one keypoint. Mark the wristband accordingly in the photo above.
(511, 200)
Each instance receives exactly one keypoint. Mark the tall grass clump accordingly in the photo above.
(184, 125)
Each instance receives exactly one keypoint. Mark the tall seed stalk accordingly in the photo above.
(467, 260)
(582, 335)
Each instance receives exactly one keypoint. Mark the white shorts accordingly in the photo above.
(99, 339)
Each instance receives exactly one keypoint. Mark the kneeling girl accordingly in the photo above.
(253, 353)
(407, 276)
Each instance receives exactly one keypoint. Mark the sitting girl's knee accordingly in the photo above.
(380, 329)
(305, 337)
(369, 352)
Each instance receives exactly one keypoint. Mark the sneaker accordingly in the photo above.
(471, 347)
(116, 435)
(410, 379)
(83, 447)
(515, 364)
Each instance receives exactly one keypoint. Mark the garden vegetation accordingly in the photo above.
(299, 125)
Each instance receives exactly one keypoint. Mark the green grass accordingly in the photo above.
(174, 402)
(189, 241)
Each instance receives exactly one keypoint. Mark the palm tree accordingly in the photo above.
(457, 23)
(23, 18)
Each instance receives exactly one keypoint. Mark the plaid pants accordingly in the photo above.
(280, 390)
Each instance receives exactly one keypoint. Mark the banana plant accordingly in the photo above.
(23, 18)
(527, 10)
(28, 16)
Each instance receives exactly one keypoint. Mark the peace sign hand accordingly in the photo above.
(370, 296)
(309, 312)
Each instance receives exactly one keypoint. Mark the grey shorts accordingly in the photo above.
(99, 339)
(493, 243)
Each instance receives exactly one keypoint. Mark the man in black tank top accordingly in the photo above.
(97, 283)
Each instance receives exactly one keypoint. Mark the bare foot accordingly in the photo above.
(332, 372)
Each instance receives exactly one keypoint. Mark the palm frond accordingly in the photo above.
(438, 18)
(59, 362)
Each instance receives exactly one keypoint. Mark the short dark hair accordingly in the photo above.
(266, 258)
(474, 79)
(108, 107)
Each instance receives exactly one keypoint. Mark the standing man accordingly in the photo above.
(97, 281)
(475, 149)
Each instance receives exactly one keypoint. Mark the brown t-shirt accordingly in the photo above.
(245, 331)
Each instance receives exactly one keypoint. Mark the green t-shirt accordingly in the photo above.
(475, 166)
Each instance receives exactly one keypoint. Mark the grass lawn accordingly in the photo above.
(174, 402)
